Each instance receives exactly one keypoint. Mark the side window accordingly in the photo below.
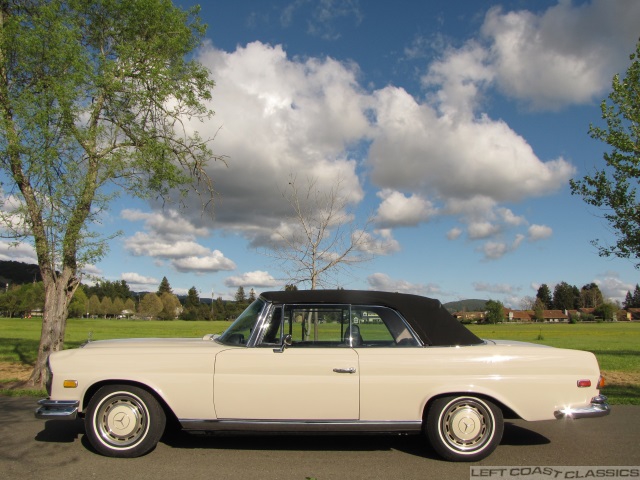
(380, 327)
(317, 325)
(337, 326)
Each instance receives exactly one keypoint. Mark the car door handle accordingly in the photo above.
(345, 370)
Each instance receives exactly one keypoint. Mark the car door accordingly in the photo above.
(315, 378)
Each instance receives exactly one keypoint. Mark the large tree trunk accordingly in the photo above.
(58, 291)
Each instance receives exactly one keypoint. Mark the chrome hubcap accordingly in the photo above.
(466, 425)
(121, 420)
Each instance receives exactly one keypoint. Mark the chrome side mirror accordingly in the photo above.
(286, 342)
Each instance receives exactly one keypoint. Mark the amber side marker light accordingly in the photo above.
(70, 384)
(584, 383)
(601, 383)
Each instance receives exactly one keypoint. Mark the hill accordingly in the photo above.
(18, 273)
(471, 305)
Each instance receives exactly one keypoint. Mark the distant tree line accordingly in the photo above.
(567, 298)
(107, 299)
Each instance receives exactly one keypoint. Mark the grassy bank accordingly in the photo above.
(616, 345)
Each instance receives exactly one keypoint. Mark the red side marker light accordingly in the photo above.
(584, 383)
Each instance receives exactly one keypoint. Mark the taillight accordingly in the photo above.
(584, 383)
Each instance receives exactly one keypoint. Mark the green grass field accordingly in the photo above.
(616, 345)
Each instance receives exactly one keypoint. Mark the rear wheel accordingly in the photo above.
(124, 421)
(464, 428)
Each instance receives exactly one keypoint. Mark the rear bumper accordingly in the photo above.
(57, 409)
(597, 408)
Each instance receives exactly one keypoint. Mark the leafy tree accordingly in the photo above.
(538, 310)
(164, 287)
(606, 311)
(636, 297)
(32, 296)
(544, 295)
(193, 298)
(565, 296)
(191, 310)
(10, 301)
(170, 306)
(79, 304)
(591, 296)
(495, 311)
(628, 301)
(632, 300)
(106, 306)
(220, 309)
(614, 187)
(106, 288)
(94, 306)
(118, 307)
(129, 306)
(150, 306)
(94, 100)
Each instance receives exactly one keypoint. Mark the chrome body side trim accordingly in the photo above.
(597, 408)
(57, 409)
(300, 426)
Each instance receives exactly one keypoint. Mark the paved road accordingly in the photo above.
(34, 449)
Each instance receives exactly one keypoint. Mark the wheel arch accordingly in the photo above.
(93, 389)
(507, 412)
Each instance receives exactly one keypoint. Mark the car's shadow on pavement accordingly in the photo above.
(418, 445)
(64, 431)
(61, 431)
(518, 435)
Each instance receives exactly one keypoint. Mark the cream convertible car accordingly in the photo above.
(322, 361)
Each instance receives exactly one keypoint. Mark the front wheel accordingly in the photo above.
(124, 421)
(464, 428)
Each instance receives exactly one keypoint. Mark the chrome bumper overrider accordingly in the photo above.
(58, 409)
(598, 408)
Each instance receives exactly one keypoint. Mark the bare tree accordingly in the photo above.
(322, 238)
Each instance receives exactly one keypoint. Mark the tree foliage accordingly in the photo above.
(150, 306)
(170, 306)
(164, 287)
(94, 100)
(591, 296)
(566, 297)
(106, 288)
(632, 300)
(613, 188)
(240, 296)
(544, 295)
(495, 311)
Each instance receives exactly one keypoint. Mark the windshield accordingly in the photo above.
(240, 330)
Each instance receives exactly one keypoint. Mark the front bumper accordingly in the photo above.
(57, 409)
(597, 408)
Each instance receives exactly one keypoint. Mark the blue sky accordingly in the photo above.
(455, 126)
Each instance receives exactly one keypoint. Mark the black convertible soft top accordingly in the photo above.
(430, 320)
